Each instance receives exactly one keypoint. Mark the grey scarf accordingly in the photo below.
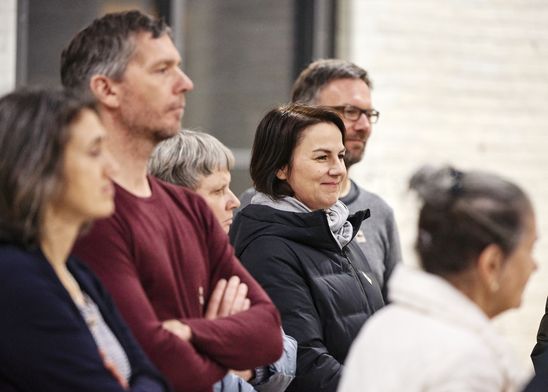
(337, 214)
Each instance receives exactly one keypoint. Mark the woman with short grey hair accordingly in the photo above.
(199, 161)
(189, 156)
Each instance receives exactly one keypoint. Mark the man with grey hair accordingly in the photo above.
(192, 306)
(346, 88)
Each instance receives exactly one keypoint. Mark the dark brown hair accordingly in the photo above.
(322, 72)
(463, 213)
(105, 47)
(277, 136)
(34, 130)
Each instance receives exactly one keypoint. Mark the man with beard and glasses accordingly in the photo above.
(346, 88)
(163, 255)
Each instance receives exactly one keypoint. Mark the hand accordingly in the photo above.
(228, 298)
(111, 367)
(182, 331)
(246, 375)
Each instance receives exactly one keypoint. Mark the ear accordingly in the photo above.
(105, 90)
(490, 262)
(281, 174)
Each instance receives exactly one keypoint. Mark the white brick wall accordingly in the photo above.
(463, 82)
(8, 30)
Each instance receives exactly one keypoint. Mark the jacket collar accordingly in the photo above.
(434, 296)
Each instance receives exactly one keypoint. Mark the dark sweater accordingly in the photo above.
(45, 344)
(324, 294)
(161, 257)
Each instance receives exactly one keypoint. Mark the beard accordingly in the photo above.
(155, 134)
(140, 125)
(147, 123)
(159, 135)
(353, 156)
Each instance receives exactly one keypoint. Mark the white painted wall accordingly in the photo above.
(462, 82)
(8, 34)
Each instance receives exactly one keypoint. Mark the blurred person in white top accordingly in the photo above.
(475, 240)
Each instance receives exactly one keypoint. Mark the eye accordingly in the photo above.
(219, 191)
(352, 111)
(321, 158)
(341, 156)
(162, 70)
(95, 151)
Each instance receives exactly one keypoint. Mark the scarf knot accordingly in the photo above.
(341, 229)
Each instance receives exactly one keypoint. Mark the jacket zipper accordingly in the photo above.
(355, 273)
(352, 268)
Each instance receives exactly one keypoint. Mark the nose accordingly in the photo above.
(338, 168)
(184, 83)
(362, 124)
(233, 202)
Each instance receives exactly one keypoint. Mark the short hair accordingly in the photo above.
(276, 138)
(464, 212)
(34, 131)
(105, 47)
(322, 72)
(189, 156)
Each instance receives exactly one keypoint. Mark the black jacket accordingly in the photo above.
(45, 342)
(324, 294)
(540, 357)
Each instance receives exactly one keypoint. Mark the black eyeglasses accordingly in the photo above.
(352, 113)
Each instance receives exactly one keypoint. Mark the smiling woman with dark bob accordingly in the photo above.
(296, 239)
(60, 330)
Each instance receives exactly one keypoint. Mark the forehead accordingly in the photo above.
(530, 223)
(322, 136)
(149, 50)
(218, 178)
(345, 92)
(87, 125)
(85, 130)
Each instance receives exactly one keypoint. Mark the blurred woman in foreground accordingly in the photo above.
(60, 331)
(475, 241)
